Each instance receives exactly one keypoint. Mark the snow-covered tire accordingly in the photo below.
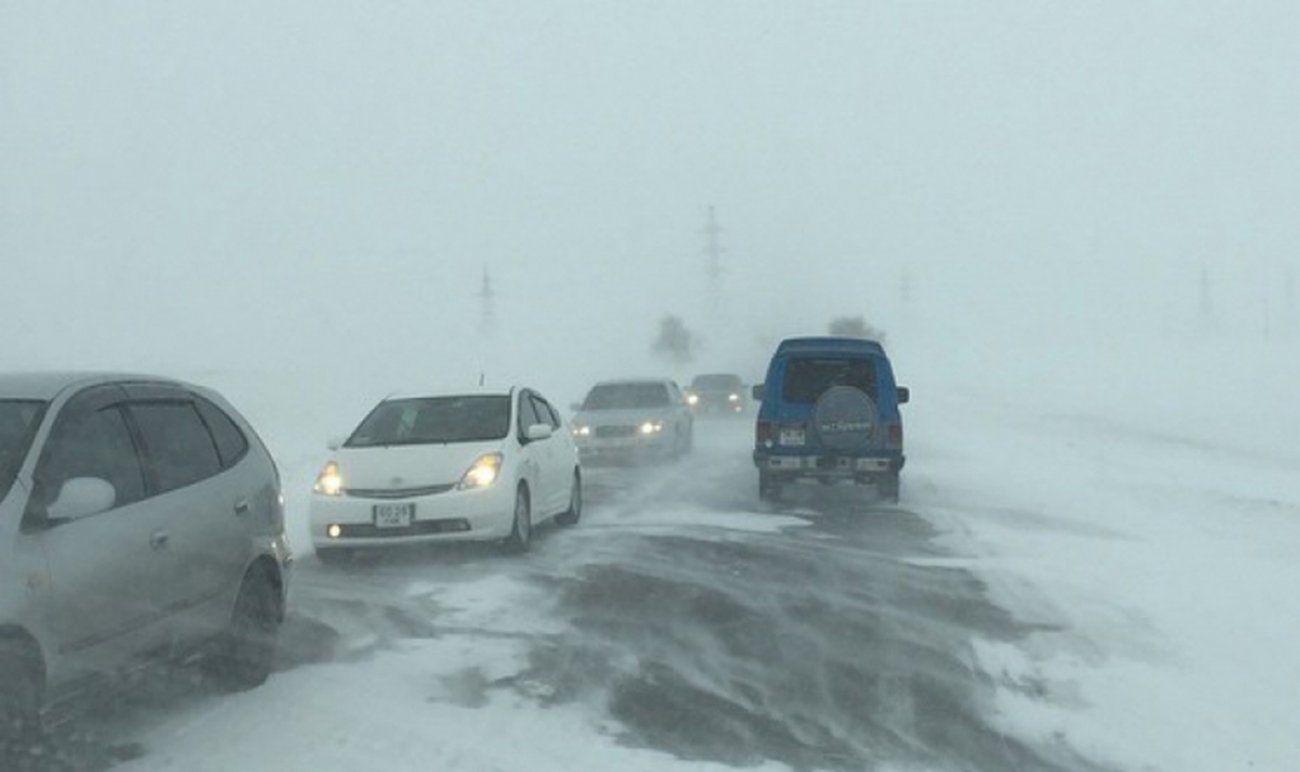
(889, 487)
(21, 684)
(573, 514)
(246, 650)
(521, 532)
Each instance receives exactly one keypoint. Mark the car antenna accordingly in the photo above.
(481, 377)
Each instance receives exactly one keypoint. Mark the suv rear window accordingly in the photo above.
(806, 379)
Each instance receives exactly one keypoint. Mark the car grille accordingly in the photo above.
(417, 528)
(612, 432)
(398, 493)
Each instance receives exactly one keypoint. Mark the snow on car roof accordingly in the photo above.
(47, 385)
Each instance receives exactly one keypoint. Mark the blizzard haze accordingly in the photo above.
(1075, 223)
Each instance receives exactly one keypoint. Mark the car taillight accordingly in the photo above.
(896, 435)
(763, 433)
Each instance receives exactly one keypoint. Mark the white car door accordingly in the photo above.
(531, 455)
(550, 457)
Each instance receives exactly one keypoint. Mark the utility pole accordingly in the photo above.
(486, 296)
(713, 249)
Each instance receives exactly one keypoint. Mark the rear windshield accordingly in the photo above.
(438, 420)
(18, 422)
(807, 379)
(716, 382)
(618, 396)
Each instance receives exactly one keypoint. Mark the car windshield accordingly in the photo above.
(18, 422)
(807, 379)
(438, 420)
(716, 383)
(626, 396)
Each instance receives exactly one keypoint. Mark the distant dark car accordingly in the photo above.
(829, 412)
(722, 393)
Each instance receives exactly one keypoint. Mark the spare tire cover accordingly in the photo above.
(845, 418)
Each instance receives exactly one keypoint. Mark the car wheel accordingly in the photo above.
(571, 515)
(521, 532)
(769, 488)
(333, 556)
(889, 487)
(246, 650)
(20, 695)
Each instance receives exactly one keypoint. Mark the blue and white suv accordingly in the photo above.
(829, 412)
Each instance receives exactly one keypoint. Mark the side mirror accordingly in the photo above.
(539, 432)
(904, 395)
(82, 496)
(335, 442)
(758, 391)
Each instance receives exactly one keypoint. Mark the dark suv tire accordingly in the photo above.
(20, 694)
(769, 486)
(889, 487)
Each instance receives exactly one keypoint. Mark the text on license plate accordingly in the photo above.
(792, 437)
(394, 515)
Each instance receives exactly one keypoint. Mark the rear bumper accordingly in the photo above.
(826, 465)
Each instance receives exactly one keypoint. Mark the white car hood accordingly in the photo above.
(633, 417)
(409, 466)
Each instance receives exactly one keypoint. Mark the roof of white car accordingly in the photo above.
(490, 390)
(47, 385)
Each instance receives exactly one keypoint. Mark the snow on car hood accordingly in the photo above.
(631, 417)
(409, 466)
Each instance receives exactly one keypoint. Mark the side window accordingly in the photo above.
(675, 394)
(231, 442)
(545, 414)
(178, 450)
(527, 414)
(90, 444)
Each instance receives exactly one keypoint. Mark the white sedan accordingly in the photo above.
(485, 465)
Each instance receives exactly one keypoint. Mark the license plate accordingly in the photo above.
(792, 437)
(394, 515)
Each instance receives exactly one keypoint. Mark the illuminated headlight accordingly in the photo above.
(482, 473)
(334, 531)
(733, 397)
(330, 481)
(582, 431)
(652, 427)
(692, 399)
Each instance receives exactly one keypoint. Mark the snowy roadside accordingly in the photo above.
(1161, 566)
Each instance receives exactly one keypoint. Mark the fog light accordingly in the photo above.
(334, 531)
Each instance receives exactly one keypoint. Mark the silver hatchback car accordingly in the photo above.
(139, 517)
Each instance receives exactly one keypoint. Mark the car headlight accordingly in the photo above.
(482, 473)
(652, 427)
(692, 399)
(330, 481)
(582, 431)
(733, 397)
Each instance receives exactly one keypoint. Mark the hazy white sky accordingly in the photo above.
(188, 180)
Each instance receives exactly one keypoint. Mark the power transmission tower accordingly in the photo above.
(713, 249)
(486, 296)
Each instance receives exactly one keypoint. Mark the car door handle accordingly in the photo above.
(241, 507)
(159, 539)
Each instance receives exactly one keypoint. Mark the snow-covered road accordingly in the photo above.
(685, 625)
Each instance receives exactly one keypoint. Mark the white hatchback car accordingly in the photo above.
(477, 466)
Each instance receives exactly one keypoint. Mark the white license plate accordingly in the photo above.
(394, 515)
(792, 437)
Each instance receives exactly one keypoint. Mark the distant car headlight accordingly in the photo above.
(652, 427)
(692, 399)
(330, 481)
(482, 473)
(582, 431)
(733, 397)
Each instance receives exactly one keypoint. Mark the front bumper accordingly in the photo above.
(451, 516)
(639, 446)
